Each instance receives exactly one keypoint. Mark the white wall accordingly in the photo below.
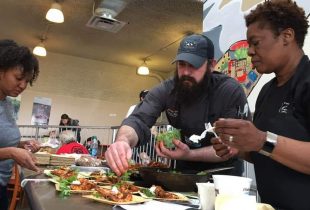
(90, 112)
(307, 41)
(95, 92)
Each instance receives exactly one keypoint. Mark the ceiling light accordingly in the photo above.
(143, 70)
(39, 49)
(55, 14)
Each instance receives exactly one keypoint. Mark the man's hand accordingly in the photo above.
(117, 156)
(181, 150)
(25, 159)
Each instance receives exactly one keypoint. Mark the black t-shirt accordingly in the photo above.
(221, 98)
(285, 111)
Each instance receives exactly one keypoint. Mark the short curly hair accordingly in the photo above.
(12, 55)
(280, 15)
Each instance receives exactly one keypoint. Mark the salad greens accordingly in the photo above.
(124, 177)
(96, 195)
(64, 186)
(202, 173)
(168, 136)
(147, 192)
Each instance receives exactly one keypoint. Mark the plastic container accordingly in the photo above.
(94, 146)
(226, 184)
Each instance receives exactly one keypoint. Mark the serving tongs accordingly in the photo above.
(208, 171)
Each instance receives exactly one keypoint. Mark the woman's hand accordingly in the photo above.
(25, 159)
(180, 151)
(223, 150)
(240, 134)
(30, 145)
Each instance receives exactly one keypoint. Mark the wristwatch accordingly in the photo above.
(270, 143)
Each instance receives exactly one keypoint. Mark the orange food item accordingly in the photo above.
(116, 197)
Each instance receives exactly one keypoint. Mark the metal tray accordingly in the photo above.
(90, 169)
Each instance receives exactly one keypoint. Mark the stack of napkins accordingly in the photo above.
(62, 160)
(43, 158)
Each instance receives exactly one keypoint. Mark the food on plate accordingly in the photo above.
(98, 176)
(109, 178)
(159, 192)
(152, 164)
(105, 179)
(135, 199)
(113, 194)
(96, 173)
(135, 166)
(82, 184)
(63, 185)
(147, 193)
(155, 164)
(126, 187)
(168, 136)
(63, 172)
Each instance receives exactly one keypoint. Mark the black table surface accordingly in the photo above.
(43, 196)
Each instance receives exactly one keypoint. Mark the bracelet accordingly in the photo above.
(269, 145)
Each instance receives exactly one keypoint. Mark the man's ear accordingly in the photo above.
(288, 36)
(213, 62)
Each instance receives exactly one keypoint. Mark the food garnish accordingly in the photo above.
(168, 136)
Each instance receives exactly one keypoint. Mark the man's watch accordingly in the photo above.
(270, 143)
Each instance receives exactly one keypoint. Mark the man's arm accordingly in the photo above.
(119, 153)
(183, 152)
(136, 129)
(127, 134)
(204, 154)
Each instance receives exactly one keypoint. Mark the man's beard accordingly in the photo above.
(187, 89)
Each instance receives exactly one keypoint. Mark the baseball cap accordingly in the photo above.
(195, 49)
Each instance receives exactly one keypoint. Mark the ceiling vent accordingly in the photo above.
(104, 16)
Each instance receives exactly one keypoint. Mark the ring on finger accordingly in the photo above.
(231, 138)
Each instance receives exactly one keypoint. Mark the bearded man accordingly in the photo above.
(194, 96)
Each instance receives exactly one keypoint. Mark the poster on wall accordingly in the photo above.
(237, 64)
(16, 105)
(224, 24)
(229, 38)
(41, 111)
